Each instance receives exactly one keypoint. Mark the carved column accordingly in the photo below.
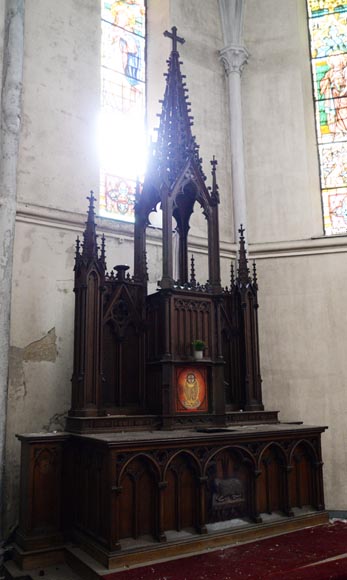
(9, 141)
(115, 517)
(318, 486)
(183, 253)
(254, 497)
(287, 507)
(234, 57)
(161, 537)
(140, 266)
(202, 481)
(167, 279)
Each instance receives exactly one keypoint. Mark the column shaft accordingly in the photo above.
(9, 142)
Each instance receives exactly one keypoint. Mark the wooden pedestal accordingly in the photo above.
(143, 492)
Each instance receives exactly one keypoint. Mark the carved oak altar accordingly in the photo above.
(160, 449)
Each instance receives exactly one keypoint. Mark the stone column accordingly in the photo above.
(234, 57)
(9, 141)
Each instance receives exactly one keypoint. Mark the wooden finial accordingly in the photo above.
(192, 271)
(243, 271)
(90, 248)
(255, 279)
(145, 262)
(214, 192)
(103, 254)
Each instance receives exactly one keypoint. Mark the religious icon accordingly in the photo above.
(191, 389)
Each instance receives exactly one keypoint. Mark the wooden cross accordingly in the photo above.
(175, 38)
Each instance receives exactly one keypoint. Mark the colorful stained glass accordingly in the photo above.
(335, 210)
(318, 8)
(122, 119)
(333, 158)
(328, 41)
(117, 197)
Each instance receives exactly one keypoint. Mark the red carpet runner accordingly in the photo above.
(275, 558)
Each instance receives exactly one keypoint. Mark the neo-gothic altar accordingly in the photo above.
(164, 452)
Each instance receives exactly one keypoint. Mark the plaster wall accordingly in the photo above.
(302, 346)
(282, 177)
(2, 21)
(58, 158)
(302, 275)
(199, 23)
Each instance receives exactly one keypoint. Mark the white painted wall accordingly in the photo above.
(283, 197)
(302, 280)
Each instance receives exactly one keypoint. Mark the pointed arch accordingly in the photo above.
(139, 497)
(181, 502)
(272, 490)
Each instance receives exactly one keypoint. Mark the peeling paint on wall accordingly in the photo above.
(44, 349)
(55, 423)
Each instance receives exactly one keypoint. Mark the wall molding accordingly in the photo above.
(298, 248)
(59, 219)
(74, 222)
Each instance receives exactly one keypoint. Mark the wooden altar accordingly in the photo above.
(164, 453)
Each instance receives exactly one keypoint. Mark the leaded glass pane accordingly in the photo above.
(335, 210)
(122, 120)
(334, 165)
(129, 15)
(117, 197)
(328, 42)
(317, 8)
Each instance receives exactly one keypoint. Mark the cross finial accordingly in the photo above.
(174, 37)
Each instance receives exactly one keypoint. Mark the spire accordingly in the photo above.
(243, 271)
(90, 248)
(175, 144)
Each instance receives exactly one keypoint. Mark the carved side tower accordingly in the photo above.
(109, 347)
(247, 293)
(89, 287)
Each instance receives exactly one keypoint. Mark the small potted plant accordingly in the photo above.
(198, 346)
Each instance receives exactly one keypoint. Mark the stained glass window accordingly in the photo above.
(122, 122)
(328, 40)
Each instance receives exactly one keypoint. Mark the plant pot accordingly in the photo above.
(198, 354)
